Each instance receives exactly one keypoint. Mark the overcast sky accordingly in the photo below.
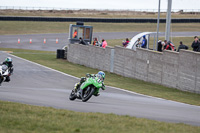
(104, 4)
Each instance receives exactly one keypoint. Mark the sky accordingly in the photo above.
(104, 4)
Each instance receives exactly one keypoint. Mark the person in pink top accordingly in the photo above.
(104, 43)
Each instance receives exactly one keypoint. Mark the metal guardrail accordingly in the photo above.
(104, 20)
(59, 8)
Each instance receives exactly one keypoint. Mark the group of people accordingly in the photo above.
(165, 45)
(162, 45)
(168, 45)
(95, 42)
(142, 44)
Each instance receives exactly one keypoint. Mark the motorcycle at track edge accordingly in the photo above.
(89, 87)
(4, 72)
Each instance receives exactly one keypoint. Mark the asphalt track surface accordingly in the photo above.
(38, 85)
(11, 41)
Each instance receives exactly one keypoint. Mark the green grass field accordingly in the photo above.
(96, 13)
(28, 27)
(21, 118)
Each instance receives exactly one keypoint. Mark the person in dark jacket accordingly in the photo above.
(199, 46)
(144, 42)
(82, 41)
(160, 45)
(196, 44)
(182, 46)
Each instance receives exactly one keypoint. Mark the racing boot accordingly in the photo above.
(96, 95)
(1, 80)
(7, 79)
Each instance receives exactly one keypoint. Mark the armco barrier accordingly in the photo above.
(104, 20)
(172, 69)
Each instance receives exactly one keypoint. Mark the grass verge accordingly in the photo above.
(29, 27)
(135, 85)
(96, 13)
(19, 118)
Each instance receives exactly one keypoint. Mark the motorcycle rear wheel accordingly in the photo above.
(87, 93)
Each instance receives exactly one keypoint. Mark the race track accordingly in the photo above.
(37, 85)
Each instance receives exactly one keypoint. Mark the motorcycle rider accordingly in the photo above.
(100, 75)
(8, 63)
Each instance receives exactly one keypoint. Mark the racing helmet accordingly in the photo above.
(101, 74)
(8, 59)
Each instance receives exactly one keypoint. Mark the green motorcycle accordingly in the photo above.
(88, 86)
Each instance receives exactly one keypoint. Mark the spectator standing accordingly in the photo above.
(144, 42)
(104, 43)
(82, 41)
(199, 46)
(160, 44)
(96, 42)
(195, 44)
(125, 43)
(169, 46)
(75, 34)
(182, 46)
(138, 43)
(165, 44)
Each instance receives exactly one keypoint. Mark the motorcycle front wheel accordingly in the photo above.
(72, 96)
(87, 93)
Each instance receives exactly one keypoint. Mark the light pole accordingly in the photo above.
(158, 22)
(168, 20)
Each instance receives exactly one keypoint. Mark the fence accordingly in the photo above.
(172, 69)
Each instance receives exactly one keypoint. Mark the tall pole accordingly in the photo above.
(168, 20)
(158, 22)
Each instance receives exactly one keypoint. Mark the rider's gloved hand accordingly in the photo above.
(88, 75)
